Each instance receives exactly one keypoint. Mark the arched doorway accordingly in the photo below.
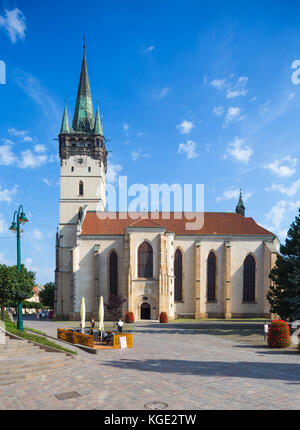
(145, 311)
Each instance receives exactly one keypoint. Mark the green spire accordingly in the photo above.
(98, 123)
(65, 128)
(84, 114)
(240, 209)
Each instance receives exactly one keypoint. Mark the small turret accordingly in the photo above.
(240, 209)
(65, 128)
(98, 123)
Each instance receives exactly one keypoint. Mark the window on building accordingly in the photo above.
(249, 279)
(81, 188)
(178, 273)
(211, 278)
(72, 169)
(89, 169)
(145, 260)
(113, 274)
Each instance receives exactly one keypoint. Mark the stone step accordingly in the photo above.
(14, 379)
(31, 361)
(34, 368)
(18, 354)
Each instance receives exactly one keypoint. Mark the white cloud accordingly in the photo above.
(137, 154)
(218, 83)
(23, 134)
(126, 127)
(7, 157)
(29, 159)
(14, 23)
(284, 167)
(234, 193)
(185, 127)
(288, 191)
(162, 93)
(3, 225)
(150, 48)
(37, 234)
(239, 89)
(239, 151)
(39, 148)
(218, 110)
(6, 195)
(47, 182)
(189, 149)
(3, 260)
(233, 115)
(279, 215)
(112, 172)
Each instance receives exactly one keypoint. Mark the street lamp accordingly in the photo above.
(18, 219)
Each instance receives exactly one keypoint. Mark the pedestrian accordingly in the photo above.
(120, 325)
(92, 323)
(266, 329)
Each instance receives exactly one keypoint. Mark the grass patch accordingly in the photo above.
(12, 328)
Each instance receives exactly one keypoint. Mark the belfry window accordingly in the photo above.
(178, 273)
(211, 277)
(249, 279)
(81, 188)
(145, 260)
(89, 169)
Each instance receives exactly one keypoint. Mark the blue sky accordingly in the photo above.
(190, 92)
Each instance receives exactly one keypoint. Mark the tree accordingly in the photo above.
(47, 295)
(25, 281)
(284, 294)
(7, 286)
(114, 306)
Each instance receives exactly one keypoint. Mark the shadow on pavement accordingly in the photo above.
(242, 369)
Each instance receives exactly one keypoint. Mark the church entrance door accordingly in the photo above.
(145, 311)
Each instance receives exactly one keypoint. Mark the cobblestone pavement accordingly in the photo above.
(182, 368)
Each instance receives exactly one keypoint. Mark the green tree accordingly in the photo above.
(284, 294)
(8, 283)
(25, 282)
(47, 295)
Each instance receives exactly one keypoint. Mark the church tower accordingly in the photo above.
(240, 208)
(83, 159)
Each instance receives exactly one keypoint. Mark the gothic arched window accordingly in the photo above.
(178, 273)
(211, 277)
(249, 279)
(113, 274)
(81, 188)
(145, 260)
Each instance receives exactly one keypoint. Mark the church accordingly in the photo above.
(154, 261)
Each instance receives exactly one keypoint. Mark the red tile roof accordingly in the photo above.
(219, 223)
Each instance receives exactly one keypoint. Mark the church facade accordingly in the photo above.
(154, 261)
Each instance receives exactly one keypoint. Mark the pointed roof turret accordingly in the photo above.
(84, 114)
(240, 209)
(65, 128)
(98, 123)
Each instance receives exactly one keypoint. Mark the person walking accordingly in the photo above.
(266, 329)
(120, 325)
(92, 323)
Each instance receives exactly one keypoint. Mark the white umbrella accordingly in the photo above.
(82, 314)
(101, 315)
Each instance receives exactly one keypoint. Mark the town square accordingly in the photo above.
(149, 208)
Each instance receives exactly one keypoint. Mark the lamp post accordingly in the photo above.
(18, 219)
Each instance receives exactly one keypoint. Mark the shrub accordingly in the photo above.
(163, 317)
(129, 317)
(279, 334)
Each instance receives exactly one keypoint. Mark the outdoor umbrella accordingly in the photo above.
(82, 314)
(101, 315)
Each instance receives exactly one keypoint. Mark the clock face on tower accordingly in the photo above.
(80, 161)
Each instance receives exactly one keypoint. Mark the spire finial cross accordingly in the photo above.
(84, 43)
